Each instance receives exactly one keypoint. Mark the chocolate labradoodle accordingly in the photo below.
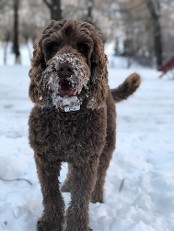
(73, 120)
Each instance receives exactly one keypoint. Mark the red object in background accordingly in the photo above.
(169, 64)
(165, 67)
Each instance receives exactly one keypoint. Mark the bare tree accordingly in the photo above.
(89, 7)
(16, 32)
(6, 34)
(154, 10)
(54, 8)
(6, 41)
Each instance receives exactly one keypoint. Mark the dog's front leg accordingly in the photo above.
(53, 213)
(82, 183)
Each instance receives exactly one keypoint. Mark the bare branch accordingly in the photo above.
(16, 179)
(47, 3)
(121, 185)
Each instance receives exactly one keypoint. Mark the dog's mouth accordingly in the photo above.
(67, 98)
(67, 88)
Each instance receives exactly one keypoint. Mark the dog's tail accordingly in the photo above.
(127, 88)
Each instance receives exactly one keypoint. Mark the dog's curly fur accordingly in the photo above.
(73, 119)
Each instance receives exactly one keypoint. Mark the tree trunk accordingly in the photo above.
(154, 10)
(158, 43)
(89, 16)
(54, 8)
(16, 32)
(5, 52)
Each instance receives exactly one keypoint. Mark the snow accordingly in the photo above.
(142, 162)
(67, 103)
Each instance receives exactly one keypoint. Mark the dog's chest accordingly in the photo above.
(67, 134)
(61, 130)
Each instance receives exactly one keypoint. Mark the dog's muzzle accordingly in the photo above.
(64, 78)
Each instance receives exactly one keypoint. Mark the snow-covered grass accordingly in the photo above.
(143, 162)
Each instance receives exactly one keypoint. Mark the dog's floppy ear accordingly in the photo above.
(37, 67)
(99, 74)
(38, 64)
(38, 57)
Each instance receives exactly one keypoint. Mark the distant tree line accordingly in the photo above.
(141, 29)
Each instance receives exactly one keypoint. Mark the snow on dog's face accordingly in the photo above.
(69, 67)
(63, 80)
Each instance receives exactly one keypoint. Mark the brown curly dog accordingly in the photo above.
(73, 120)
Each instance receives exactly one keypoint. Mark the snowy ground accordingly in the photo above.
(144, 158)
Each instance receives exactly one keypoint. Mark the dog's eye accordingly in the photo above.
(83, 48)
(52, 47)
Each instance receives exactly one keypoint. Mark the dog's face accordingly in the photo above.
(69, 67)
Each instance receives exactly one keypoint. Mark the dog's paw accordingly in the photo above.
(43, 225)
(77, 229)
(97, 197)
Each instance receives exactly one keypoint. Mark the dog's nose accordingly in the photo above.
(65, 70)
